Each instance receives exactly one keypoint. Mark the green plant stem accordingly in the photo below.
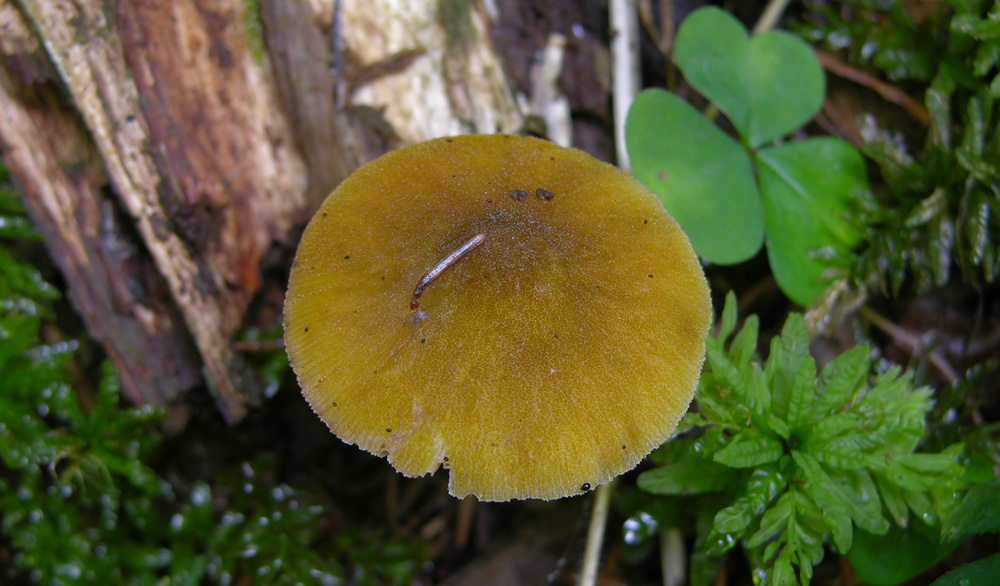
(770, 17)
(595, 534)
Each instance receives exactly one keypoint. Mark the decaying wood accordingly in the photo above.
(214, 156)
(330, 140)
(117, 290)
(456, 86)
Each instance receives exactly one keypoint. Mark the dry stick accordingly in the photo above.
(672, 557)
(623, 16)
(595, 534)
(259, 345)
(439, 268)
(909, 340)
(663, 37)
(666, 42)
(833, 129)
(889, 92)
(340, 85)
(463, 524)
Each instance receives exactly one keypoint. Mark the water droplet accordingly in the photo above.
(247, 470)
(34, 516)
(649, 522)
(247, 488)
(250, 551)
(263, 521)
(725, 542)
(324, 578)
(271, 390)
(71, 571)
(200, 495)
(631, 526)
(176, 522)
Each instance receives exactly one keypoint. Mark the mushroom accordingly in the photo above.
(517, 312)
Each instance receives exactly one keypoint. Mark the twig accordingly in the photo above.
(595, 534)
(889, 92)
(836, 130)
(667, 41)
(259, 345)
(440, 267)
(463, 524)
(340, 84)
(392, 502)
(547, 101)
(624, 69)
(910, 341)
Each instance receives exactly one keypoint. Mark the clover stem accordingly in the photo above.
(772, 13)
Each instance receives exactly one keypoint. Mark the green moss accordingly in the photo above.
(82, 502)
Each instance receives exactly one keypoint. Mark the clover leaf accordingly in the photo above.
(727, 195)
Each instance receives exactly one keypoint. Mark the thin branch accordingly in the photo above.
(910, 341)
(259, 345)
(890, 92)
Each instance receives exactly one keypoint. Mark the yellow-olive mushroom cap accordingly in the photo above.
(551, 357)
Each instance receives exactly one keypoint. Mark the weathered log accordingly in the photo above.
(116, 288)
